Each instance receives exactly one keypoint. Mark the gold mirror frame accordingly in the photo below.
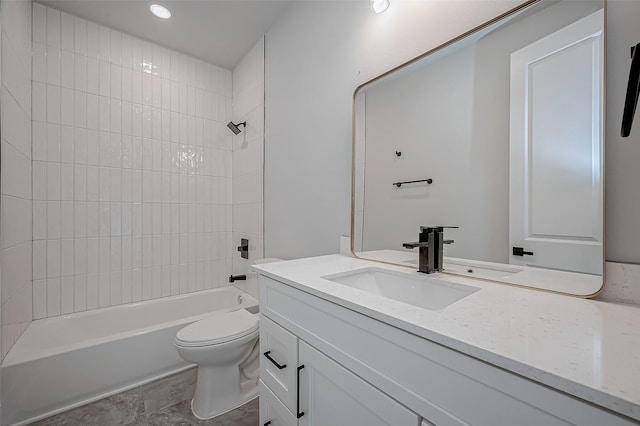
(438, 48)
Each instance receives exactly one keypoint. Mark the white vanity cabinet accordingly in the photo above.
(361, 371)
(301, 386)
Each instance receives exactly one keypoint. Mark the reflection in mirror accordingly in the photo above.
(499, 133)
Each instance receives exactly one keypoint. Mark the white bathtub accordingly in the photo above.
(63, 362)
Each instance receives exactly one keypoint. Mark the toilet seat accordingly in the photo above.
(215, 329)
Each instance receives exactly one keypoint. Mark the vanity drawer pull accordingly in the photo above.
(298, 413)
(280, 367)
(267, 423)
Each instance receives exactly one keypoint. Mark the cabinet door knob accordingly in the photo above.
(280, 367)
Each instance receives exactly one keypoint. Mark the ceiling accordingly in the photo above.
(218, 31)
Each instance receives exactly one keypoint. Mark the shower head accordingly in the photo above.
(234, 127)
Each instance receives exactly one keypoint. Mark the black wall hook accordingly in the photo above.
(633, 91)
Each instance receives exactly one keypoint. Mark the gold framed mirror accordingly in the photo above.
(499, 132)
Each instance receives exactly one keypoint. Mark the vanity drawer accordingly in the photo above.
(278, 361)
(272, 410)
(442, 385)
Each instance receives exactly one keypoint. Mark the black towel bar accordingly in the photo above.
(399, 184)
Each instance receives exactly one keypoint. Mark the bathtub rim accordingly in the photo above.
(15, 358)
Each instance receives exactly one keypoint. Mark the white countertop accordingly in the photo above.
(586, 348)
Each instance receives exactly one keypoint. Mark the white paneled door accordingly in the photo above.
(556, 170)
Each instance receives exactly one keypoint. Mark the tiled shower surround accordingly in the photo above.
(15, 171)
(248, 149)
(131, 168)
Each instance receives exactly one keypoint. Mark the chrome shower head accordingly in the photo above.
(234, 127)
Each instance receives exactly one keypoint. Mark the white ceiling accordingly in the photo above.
(217, 31)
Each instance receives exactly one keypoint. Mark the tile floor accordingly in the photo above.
(180, 414)
(166, 402)
(174, 415)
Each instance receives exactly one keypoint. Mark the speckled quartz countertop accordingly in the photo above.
(586, 348)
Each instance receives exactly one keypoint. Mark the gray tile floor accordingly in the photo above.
(174, 415)
(180, 415)
(165, 402)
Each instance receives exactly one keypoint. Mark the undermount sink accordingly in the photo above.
(421, 291)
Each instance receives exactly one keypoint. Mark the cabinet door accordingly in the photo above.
(272, 411)
(278, 361)
(332, 395)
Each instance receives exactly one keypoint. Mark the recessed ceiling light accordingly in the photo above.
(379, 6)
(160, 11)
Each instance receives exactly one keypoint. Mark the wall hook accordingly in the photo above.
(633, 93)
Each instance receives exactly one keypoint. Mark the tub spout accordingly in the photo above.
(233, 278)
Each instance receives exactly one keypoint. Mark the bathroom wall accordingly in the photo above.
(622, 154)
(307, 160)
(131, 168)
(15, 170)
(248, 155)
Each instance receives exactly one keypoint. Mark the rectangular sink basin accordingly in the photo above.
(421, 291)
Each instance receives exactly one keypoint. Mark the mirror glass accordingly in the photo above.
(499, 133)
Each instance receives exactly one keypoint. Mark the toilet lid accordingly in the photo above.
(218, 328)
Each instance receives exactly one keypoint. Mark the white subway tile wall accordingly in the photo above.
(15, 171)
(132, 168)
(248, 154)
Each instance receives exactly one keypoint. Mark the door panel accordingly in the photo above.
(556, 201)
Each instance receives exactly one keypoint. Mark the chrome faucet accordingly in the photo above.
(430, 248)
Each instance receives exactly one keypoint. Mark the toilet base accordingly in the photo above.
(245, 397)
(222, 389)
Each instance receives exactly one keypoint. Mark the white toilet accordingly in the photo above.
(225, 347)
